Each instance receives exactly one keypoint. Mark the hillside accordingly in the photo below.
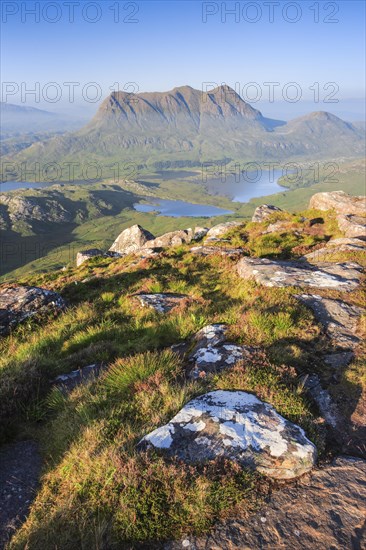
(97, 211)
(195, 382)
(186, 127)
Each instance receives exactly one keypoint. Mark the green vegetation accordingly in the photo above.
(97, 490)
(100, 211)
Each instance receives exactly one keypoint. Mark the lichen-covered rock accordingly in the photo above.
(219, 230)
(275, 273)
(172, 238)
(211, 250)
(131, 239)
(212, 352)
(85, 255)
(161, 302)
(339, 201)
(19, 303)
(264, 211)
(340, 320)
(238, 426)
(352, 225)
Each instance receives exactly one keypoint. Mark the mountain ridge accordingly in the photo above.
(189, 125)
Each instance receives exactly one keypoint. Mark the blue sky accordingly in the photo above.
(171, 45)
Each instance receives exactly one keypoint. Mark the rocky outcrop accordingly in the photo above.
(212, 352)
(131, 239)
(352, 226)
(161, 302)
(275, 273)
(351, 211)
(339, 201)
(20, 303)
(217, 231)
(339, 320)
(238, 426)
(324, 510)
(85, 255)
(264, 211)
(172, 238)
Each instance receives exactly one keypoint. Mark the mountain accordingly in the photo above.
(17, 119)
(189, 126)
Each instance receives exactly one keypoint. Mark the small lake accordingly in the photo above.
(243, 187)
(177, 209)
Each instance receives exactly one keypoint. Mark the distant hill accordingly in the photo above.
(19, 119)
(188, 126)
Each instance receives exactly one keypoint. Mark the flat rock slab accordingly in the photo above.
(161, 302)
(238, 426)
(19, 303)
(213, 353)
(67, 382)
(340, 320)
(275, 273)
(212, 250)
(325, 510)
(20, 469)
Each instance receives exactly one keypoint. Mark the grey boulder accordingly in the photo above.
(237, 426)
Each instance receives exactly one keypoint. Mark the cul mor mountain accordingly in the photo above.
(189, 125)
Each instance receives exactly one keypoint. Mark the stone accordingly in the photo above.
(161, 302)
(69, 381)
(131, 239)
(18, 303)
(20, 473)
(339, 201)
(339, 320)
(338, 360)
(327, 408)
(219, 230)
(334, 246)
(283, 226)
(276, 273)
(235, 425)
(199, 233)
(264, 211)
(316, 221)
(211, 250)
(172, 238)
(352, 226)
(212, 352)
(85, 255)
(324, 510)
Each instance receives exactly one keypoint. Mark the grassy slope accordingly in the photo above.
(97, 491)
(101, 231)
